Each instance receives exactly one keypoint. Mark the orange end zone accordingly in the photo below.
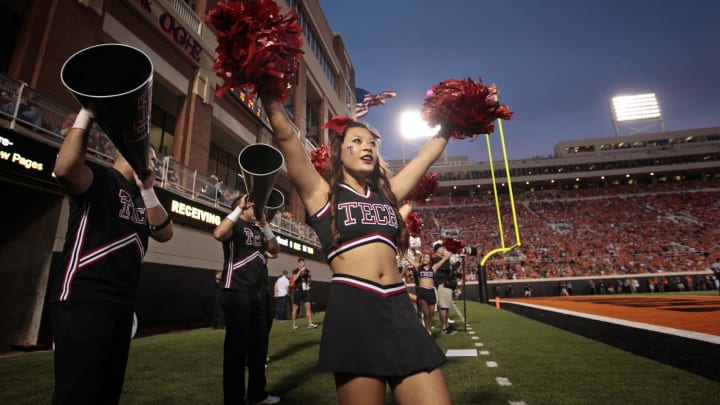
(691, 313)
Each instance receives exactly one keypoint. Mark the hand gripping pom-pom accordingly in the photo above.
(258, 48)
(453, 245)
(414, 224)
(425, 189)
(464, 108)
(320, 157)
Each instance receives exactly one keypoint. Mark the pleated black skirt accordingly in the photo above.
(373, 330)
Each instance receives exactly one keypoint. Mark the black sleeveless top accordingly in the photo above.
(362, 219)
(105, 243)
(245, 263)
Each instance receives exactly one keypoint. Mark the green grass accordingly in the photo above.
(545, 365)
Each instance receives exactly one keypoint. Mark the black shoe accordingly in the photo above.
(449, 331)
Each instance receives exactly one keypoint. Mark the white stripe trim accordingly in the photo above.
(323, 210)
(77, 262)
(232, 266)
(349, 245)
(638, 325)
(370, 286)
(229, 269)
(105, 251)
(367, 194)
(74, 259)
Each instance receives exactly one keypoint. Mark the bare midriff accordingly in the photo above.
(373, 262)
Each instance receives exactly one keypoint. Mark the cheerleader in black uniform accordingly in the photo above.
(93, 283)
(371, 336)
(246, 302)
(426, 296)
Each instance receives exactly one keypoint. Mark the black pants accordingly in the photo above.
(92, 342)
(218, 315)
(248, 318)
(280, 307)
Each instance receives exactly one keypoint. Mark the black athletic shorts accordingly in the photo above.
(426, 294)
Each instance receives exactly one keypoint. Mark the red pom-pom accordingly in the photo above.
(320, 157)
(258, 48)
(453, 245)
(426, 188)
(414, 223)
(464, 108)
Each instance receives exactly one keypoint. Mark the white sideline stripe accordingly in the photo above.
(517, 403)
(474, 337)
(471, 332)
(491, 364)
(485, 352)
(457, 311)
(502, 381)
(461, 353)
(638, 325)
(479, 344)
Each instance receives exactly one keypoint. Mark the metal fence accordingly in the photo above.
(28, 111)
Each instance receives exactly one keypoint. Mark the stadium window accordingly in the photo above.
(621, 145)
(312, 42)
(162, 130)
(224, 165)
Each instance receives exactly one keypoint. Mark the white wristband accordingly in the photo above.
(84, 119)
(149, 198)
(233, 216)
(267, 232)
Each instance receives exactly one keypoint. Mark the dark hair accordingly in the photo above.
(300, 259)
(378, 181)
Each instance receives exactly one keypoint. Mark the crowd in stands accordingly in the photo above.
(636, 229)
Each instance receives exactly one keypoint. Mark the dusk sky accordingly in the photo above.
(557, 63)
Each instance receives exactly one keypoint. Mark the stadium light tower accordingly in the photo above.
(414, 131)
(638, 113)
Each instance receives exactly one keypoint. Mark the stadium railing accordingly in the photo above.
(33, 114)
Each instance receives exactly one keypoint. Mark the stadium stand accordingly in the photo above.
(621, 230)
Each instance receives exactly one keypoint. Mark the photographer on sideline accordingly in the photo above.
(446, 284)
(301, 279)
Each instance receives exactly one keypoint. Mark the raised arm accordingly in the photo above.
(405, 211)
(272, 247)
(224, 230)
(159, 222)
(442, 261)
(412, 261)
(70, 169)
(311, 187)
(407, 178)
